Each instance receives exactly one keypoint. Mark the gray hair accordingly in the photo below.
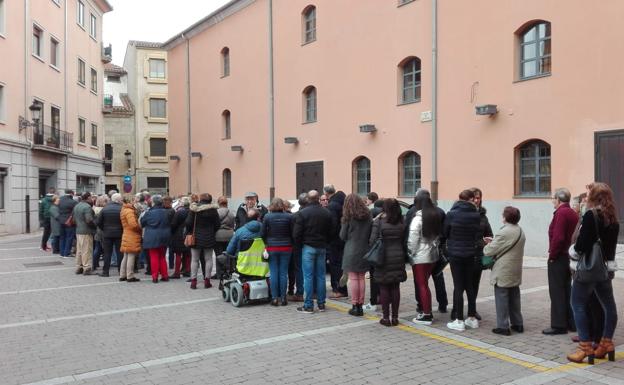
(563, 195)
(185, 201)
(329, 189)
(421, 192)
(117, 198)
(157, 200)
(313, 196)
(303, 199)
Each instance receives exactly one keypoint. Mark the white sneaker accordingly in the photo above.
(456, 325)
(369, 307)
(472, 323)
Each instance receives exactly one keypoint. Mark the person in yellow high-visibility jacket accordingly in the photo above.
(249, 261)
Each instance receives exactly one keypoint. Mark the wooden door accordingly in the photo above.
(610, 168)
(309, 177)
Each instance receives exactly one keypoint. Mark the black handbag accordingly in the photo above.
(375, 254)
(442, 259)
(591, 268)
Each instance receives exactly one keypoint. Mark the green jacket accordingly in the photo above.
(84, 218)
(44, 207)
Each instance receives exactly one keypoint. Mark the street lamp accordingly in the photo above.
(128, 156)
(35, 110)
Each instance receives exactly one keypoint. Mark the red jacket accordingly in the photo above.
(560, 231)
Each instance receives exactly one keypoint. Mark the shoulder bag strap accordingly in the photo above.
(512, 246)
(194, 222)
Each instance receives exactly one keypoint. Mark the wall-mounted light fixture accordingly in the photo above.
(291, 140)
(486, 109)
(196, 155)
(35, 110)
(237, 148)
(128, 156)
(368, 128)
(174, 157)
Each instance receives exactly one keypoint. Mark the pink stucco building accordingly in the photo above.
(515, 97)
(51, 59)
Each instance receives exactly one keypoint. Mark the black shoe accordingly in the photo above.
(554, 331)
(360, 311)
(133, 279)
(284, 302)
(517, 328)
(504, 332)
(442, 309)
(79, 271)
(572, 329)
(303, 309)
(104, 275)
(121, 279)
(165, 279)
(214, 276)
(353, 311)
(274, 302)
(154, 280)
(478, 316)
(321, 307)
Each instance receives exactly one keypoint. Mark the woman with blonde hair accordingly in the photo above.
(599, 225)
(355, 231)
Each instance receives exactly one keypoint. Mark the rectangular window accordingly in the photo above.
(81, 131)
(309, 25)
(81, 72)
(158, 185)
(108, 158)
(3, 174)
(113, 79)
(2, 102)
(158, 108)
(158, 147)
(157, 68)
(37, 42)
(55, 113)
(80, 15)
(94, 141)
(94, 80)
(85, 183)
(2, 17)
(93, 26)
(54, 52)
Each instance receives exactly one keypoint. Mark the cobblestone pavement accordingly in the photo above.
(60, 328)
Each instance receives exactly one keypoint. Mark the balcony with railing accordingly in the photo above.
(52, 139)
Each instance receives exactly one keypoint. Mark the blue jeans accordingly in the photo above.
(67, 239)
(581, 292)
(56, 244)
(97, 253)
(278, 266)
(313, 266)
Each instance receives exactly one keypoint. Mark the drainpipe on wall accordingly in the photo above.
(188, 111)
(65, 99)
(434, 101)
(27, 39)
(271, 105)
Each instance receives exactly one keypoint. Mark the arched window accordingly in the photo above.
(227, 124)
(225, 62)
(309, 24)
(409, 173)
(535, 53)
(362, 175)
(409, 71)
(533, 168)
(309, 104)
(227, 183)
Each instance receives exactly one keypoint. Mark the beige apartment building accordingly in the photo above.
(50, 103)
(139, 145)
(515, 97)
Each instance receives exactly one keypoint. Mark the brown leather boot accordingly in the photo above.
(585, 349)
(605, 348)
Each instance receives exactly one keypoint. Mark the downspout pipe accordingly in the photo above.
(434, 100)
(188, 112)
(271, 106)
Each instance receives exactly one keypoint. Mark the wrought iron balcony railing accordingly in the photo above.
(47, 137)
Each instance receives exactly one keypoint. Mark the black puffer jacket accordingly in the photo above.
(336, 203)
(314, 226)
(177, 230)
(66, 207)
(277, 229)
(395, 254)
(241, 214)
(462, 230)
(485, 230)
(206, 226)
(109, 221)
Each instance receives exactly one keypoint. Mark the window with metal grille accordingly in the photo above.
(158, 108)
(81, 131)
(158, 147)
(362, 176)
(533, 168)
(309, 24)
(225, 62)
(409, 174)
(157, 68)
(108, 158)
(227, 124)
(410, 72)
(535, 50)
(227, 183)
(309, 100)
(94, 135)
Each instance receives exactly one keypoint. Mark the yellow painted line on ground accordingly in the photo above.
(500, 356)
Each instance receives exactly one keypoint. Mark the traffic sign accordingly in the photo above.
(127, 179)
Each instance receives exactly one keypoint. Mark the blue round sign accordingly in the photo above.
(127, 179)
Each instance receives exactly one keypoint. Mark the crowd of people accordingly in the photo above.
(335, 231)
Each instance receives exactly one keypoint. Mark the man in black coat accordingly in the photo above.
(438, 280)
(109, 221)
(251, 201)
(68, 231)
(313, 229)
(336, 245)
